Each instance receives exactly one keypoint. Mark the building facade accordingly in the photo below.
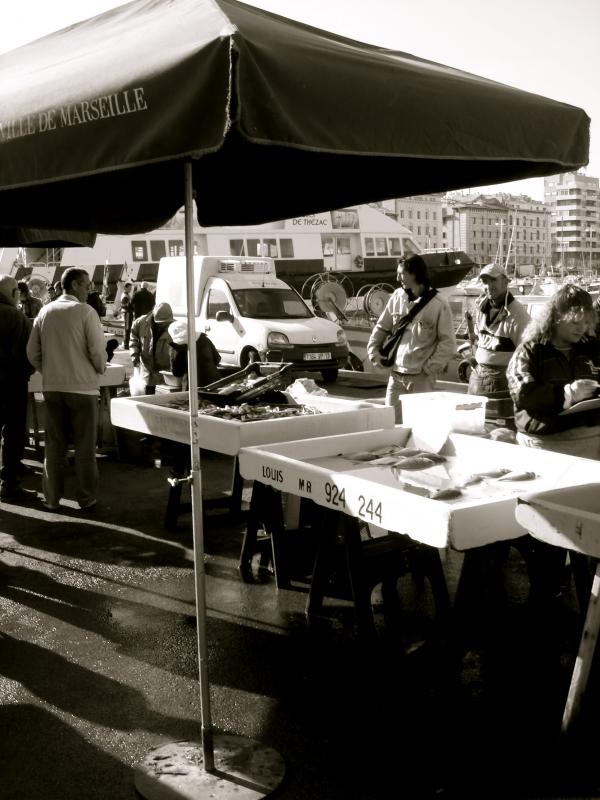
(574, 202)
(510, 229)
(422, 215)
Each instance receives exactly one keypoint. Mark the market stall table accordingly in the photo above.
(570, 518)
(401, 501)
(108, 382)
(166, 417)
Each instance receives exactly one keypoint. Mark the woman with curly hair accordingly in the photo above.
(554, 367)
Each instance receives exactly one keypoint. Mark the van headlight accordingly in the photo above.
(278, 340)
(341, 336)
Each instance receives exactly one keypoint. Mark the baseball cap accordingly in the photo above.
(492, 271)
(163, 313)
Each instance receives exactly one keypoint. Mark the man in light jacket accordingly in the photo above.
(428, 342)
(67, 346)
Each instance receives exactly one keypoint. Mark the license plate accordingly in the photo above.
(317, 356)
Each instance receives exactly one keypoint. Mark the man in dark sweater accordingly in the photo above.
(15, 370)
(142, 301)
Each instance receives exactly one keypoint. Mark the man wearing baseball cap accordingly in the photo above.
(499, 321)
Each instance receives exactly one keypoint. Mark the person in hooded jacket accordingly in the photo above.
(207, 355)
(149, 345)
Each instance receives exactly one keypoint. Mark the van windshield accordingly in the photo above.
(271, 304)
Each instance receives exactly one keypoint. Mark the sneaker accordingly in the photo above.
(88, 505)
(48, 507)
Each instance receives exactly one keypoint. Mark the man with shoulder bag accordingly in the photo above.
(414, 334)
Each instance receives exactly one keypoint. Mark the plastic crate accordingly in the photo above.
(464, 413)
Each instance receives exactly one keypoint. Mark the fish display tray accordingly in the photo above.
(153, 415)
(321, 470)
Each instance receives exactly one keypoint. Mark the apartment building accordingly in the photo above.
(509, 229)
(574, 203)
(421, 214)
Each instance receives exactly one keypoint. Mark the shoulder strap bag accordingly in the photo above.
(389, 346)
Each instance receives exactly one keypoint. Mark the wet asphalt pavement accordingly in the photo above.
(98, 663)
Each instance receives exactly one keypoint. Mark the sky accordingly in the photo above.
(549, 47)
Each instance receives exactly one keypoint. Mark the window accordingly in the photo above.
(434, 215)
(418, 230)
(328, 246)
(434, 230)
(217, 301)
(401, 213)
(253, 247)
(270, 248)
(395, 249)
(236, 247)
(410, 214)
(342, 247)
(418, 215)
(287, 248)
(270, 304)
(158, 250)
(139, 251)
(175, 247)
(378, 248)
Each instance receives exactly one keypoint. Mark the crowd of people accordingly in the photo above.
(545, 366)
(63, 339)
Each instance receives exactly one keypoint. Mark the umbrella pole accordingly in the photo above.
(225, 766)
(196, 478)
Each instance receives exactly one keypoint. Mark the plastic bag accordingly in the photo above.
(137, 384)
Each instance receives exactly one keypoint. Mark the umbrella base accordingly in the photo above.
(244, 769)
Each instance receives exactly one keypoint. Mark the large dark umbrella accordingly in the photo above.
(112, 124)
(280, 119)
(30, 237)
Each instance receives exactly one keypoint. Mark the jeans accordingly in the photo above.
(70, 415)
(13, 421)
(488, 380)
(399, 384)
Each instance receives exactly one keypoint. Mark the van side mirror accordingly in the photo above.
(224, 316)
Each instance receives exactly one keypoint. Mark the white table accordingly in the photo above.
(570, 518)
(154, 415)
(114, 376)
(314, 468)
(317, 469)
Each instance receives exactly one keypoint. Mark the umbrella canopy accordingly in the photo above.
(281, 119)
(29, 237)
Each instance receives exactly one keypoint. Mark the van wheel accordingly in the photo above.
(248, 356)
(329, 375)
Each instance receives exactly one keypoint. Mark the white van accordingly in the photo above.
(249, 314)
